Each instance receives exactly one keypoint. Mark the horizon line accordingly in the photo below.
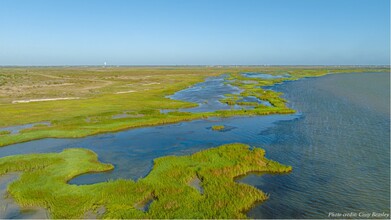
(204, 65)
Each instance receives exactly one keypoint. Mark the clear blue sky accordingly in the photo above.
(194, 32)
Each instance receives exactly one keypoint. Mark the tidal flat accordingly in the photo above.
(132, 155)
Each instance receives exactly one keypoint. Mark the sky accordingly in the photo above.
(194, 32)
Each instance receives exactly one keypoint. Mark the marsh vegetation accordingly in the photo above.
(195, 186)
(167, 189)
(104, 92)
(218, 127)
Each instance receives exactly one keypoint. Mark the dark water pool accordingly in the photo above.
(338, 145)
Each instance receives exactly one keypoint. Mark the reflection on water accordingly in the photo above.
(8, 207)
(338, 146)
(255, 99)
(132, 151)
(207, 95)
(17, 128)
(264, 75)
(339, 149)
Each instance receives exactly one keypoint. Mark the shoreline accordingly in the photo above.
(167, 183)
(250, 207)
(109, 126)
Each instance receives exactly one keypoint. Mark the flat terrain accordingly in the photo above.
(169, 188)
(80, 101)
(76, 102)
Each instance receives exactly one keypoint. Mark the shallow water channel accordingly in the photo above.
(17, 128)
(338, 145)
(207, 95)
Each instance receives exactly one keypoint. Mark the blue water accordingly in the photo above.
(265, 75)
(132, 151)
(338, 145)
(17, 128)
(207, 95)
(339, 149)
(254, 99)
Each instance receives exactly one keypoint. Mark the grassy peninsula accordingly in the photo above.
(76, 102)
(81, 101)
(167, 187)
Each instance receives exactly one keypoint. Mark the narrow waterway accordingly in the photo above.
(338, 144)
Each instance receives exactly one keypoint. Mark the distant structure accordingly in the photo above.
(105, 64)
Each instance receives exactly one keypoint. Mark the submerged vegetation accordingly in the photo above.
(167, 189)
(88, 99)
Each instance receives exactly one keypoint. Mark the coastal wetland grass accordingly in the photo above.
(218, 127)
(104, 92)
(139, 92)
(166, 189)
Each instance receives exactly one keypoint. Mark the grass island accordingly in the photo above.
(74, 102)
(78, 101)
(167, 188)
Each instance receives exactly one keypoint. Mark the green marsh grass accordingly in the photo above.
(218, 127)
(5, 132)
(105, 92)
(45, 176)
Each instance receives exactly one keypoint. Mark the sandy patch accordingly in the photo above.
(130, 91)
(152, 83)
(43, 100)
